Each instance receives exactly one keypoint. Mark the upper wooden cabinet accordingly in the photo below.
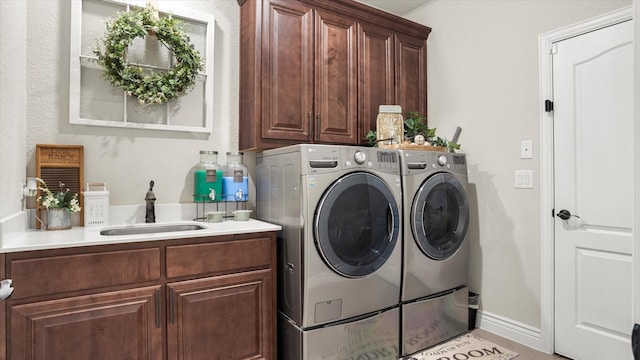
(315, 71)
(411, 73)
(376, 74)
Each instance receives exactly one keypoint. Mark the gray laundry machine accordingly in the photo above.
(434, 292)
(375, 336)
(339, 250)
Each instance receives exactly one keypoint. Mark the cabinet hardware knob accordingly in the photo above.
(158, 308)
(6, 289)
(171, 306)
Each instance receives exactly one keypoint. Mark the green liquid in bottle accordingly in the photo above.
(204, 181)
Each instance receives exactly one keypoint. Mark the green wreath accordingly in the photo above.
(156, 87)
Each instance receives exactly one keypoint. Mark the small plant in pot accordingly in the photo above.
(416, 130)
(59, 204)
(62, 199)
(372, 138)
(451, 146)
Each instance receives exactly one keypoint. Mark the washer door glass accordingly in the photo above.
(440, 216)
(356, 224)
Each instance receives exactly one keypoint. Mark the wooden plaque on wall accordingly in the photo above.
(61, 163)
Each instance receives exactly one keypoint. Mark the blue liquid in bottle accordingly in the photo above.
(235, 190)
(235, 180)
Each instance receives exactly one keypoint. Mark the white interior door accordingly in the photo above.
(594, 181)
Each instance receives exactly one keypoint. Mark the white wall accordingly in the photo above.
(13, 51)
(126, 159)
(483, 77)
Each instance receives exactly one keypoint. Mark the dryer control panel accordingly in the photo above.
(384, 160)
(324, 159)
(415, 162)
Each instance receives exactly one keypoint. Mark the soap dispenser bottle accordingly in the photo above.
(207, 178)
(235, 178)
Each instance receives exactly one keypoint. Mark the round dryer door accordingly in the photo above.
(440, 216)
(356, 224)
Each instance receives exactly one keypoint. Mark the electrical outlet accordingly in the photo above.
(526, 149)
(524, 179)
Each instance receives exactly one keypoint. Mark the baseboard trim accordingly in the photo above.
(513, 330)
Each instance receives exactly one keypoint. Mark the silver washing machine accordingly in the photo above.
(339, 250)
(434, 294)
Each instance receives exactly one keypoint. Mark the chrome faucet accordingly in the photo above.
(150, 198)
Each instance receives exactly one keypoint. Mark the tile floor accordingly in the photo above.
(526, 353)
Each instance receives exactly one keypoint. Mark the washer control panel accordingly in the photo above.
(415, 162)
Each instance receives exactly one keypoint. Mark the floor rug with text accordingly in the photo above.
(467, 346)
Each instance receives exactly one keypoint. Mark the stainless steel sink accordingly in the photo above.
(150, 229)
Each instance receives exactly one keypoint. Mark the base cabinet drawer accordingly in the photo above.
(218, 257)
(58, 274)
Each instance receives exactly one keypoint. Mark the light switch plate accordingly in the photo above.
(526, 149)
(524, 179)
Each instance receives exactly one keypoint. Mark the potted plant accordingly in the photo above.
(372, 138)
(416, 130)
(60, 205)
(451, 146)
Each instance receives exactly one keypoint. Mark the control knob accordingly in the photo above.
(360, 157)
(442, 160)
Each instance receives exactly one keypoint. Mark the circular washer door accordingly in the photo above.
(356, 224)
(440, 216)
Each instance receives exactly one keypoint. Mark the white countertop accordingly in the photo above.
(31, 239)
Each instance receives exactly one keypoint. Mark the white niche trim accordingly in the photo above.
(94, 101)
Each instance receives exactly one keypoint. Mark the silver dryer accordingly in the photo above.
(339, 263)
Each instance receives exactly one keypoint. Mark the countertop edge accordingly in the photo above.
(32, 240)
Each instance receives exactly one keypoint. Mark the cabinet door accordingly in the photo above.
(336, 87)
(287, 71)
(117, 325)
(411, 74)
(376, 74)
(223, 317)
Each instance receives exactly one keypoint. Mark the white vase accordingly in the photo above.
(58, 219)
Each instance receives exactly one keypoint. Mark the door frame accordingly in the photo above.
(547, 248)
(636, 247)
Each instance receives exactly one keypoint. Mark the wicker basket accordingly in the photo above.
(410, 146)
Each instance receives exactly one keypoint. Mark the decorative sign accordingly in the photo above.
(61, 164)
(390, 126)
(59, 155)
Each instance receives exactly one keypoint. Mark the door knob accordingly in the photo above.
(565, 214)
